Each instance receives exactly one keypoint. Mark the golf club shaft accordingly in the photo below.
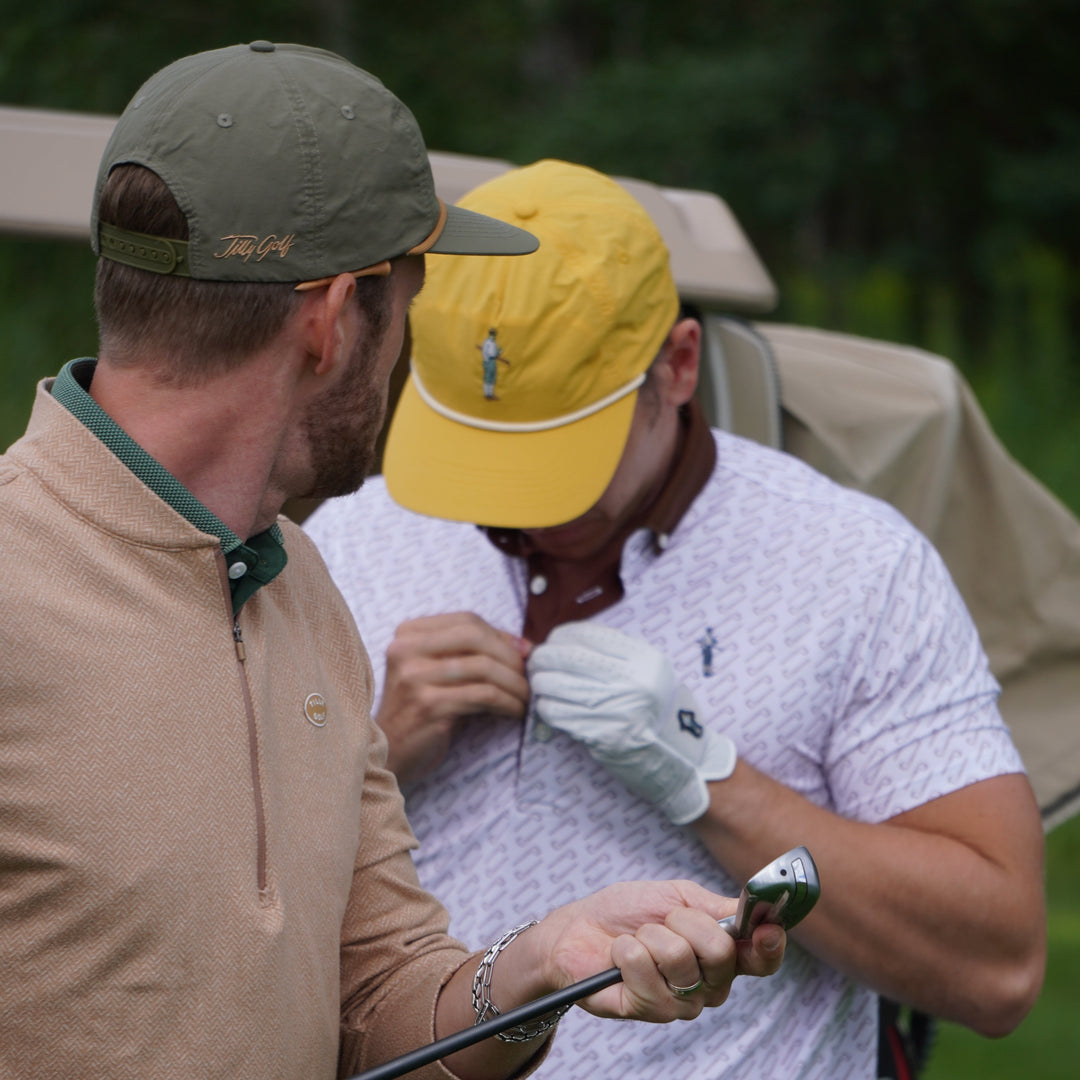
(398, 1066)
(531, 1010)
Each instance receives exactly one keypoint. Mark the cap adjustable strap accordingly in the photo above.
(153, 253)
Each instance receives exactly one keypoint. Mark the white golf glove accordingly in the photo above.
(621, 698)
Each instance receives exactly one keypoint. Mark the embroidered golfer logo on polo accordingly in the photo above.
(707, 643)
(491, 354)
(315, 709)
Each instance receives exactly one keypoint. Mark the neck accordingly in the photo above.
(220, 438)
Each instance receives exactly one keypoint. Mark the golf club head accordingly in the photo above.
(782, 892)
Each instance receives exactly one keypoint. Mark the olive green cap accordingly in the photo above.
(291, 165)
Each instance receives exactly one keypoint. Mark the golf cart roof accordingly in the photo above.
(49, 161)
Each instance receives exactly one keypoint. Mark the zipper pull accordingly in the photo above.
(238, 638)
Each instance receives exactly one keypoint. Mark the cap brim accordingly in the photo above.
(469, 233)
(520, 480)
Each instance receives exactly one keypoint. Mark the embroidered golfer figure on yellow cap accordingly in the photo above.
(491, 353)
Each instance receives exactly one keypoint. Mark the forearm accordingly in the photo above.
(659, 935)
(941, 908)
(515, 981)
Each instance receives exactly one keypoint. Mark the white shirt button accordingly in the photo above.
(542, 733)
(662, 541)
(538, 585)
(237, 570)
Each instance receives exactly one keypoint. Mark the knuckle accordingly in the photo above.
(426, 697)
(491, 697)
(472, 625)
(681, 953)
(398, 651)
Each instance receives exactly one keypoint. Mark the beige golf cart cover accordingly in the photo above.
(903, 425)
(896, 422)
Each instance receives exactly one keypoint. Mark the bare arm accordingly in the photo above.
(438, 670)
(395, 954)
(940, 907)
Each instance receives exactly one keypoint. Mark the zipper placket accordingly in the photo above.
(253, 735)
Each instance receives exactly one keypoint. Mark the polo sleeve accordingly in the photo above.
(396, 954)
(917, 714)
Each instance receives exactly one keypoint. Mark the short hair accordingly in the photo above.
(195, 329)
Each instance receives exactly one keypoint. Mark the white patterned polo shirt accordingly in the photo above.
(814, 626)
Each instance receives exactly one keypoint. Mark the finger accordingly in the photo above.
(415, 657)
(474, 668)
(674, 957)
(713, 948)
(644, 991)
(475, 683)
(445, 620)
(689, 894)
(561, 684)
(760, 955)
(595, 638)
(573, 660)
(763, 953)
(462, 632)
(440, 701)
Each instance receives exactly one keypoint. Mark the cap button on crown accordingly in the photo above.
(525, 210)
(262, 46)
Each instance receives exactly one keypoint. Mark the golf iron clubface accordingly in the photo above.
(782, 892)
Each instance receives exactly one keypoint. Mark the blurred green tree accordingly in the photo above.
(930, 144)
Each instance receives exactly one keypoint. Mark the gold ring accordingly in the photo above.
(684, 991)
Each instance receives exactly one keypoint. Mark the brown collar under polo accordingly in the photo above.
(563, 590)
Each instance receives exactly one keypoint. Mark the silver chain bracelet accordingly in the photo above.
(485, 1008)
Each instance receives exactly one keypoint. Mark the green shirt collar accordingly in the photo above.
(251, 563)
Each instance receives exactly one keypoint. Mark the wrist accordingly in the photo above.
(518, 959)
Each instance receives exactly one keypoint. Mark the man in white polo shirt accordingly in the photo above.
(672, 652)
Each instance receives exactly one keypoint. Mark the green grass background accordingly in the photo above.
(1047, 1044)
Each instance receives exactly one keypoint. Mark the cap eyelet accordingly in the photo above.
(348, 112)
(224, 120)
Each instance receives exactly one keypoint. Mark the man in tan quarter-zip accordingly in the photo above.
(205, 868)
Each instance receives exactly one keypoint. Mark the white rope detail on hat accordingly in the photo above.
(525, 426)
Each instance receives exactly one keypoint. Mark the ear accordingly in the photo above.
(331, 325)
(681, 357)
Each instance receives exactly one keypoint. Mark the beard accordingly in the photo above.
(341, 429)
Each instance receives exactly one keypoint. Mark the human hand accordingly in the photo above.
(662, 936)
(439, 669)
(621, 698)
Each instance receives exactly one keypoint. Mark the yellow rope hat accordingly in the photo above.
(525, 372)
